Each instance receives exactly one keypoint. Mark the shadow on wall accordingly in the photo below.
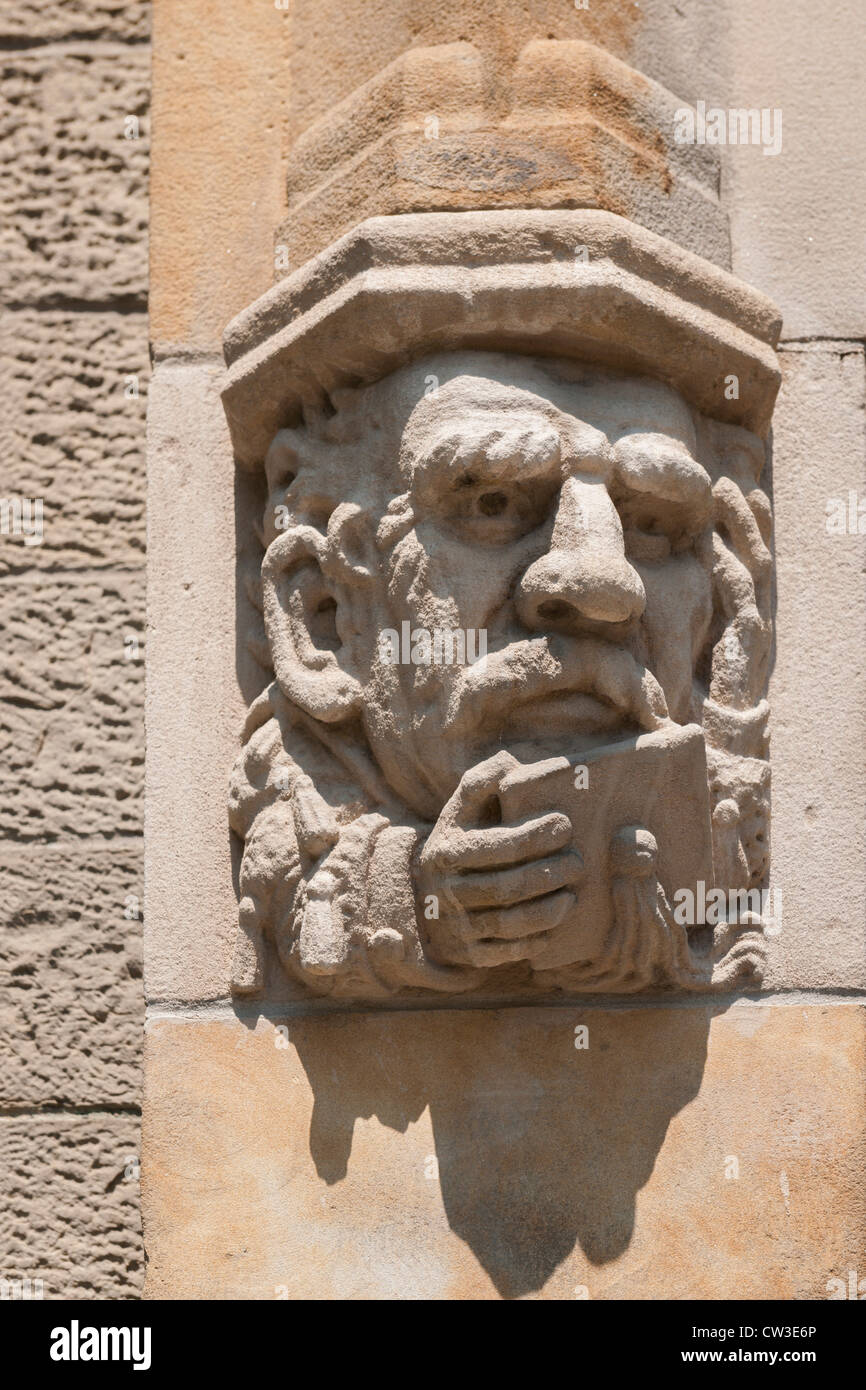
(540, 1145)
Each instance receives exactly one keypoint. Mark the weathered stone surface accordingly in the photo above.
(788, 238)
(817, 687)
(276, 1170)
(71, 705)
(544, 809)
(92, 19)
(583, 283)
(218, 183)
(363, 36)
(483, 1155)
(70, 960)
(70, 1204)
(76, 183)
(72, 434)
(432, 132)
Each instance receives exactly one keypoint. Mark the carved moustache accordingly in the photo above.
(540, 667)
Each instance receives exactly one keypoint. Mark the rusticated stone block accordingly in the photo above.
(76, 182)
(72, 435)
(70, 1204)
(70, 956)
(545, 1153)
(92, 19)
(71, 701)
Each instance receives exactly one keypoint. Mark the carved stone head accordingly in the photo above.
(517, 609)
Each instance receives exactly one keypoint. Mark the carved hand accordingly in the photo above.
(499, 889)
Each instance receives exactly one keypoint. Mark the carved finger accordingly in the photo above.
(476, 788)
(489, 954)
(735, 513)
(503, 887)
(500, 846)
(526, 919)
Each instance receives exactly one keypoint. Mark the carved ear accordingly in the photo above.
(301, 609)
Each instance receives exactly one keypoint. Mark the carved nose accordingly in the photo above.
(593, 585)
(585, 576)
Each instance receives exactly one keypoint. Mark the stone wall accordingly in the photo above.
(73, 386)
(417, 1152)
(303, 1144)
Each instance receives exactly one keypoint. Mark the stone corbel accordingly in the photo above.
(617, 391)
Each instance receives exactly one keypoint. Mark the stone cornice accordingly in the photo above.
(582, 283)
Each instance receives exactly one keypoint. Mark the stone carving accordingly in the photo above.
(580, 128)
(517, 618)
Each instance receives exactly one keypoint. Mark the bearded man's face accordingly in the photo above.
(564, 516)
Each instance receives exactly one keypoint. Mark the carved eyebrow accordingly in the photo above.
(662, 467)
(503, 446)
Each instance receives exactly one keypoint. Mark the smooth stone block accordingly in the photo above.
(683, 1152)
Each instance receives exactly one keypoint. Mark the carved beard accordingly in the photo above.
(563, 691)
(306, 860)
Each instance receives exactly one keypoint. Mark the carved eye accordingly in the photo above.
(651, 526)
(646, 545)
(492, 503)
(486, 511)
(280, 484)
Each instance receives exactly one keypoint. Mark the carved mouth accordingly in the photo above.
(562, 685)
(565, 712)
